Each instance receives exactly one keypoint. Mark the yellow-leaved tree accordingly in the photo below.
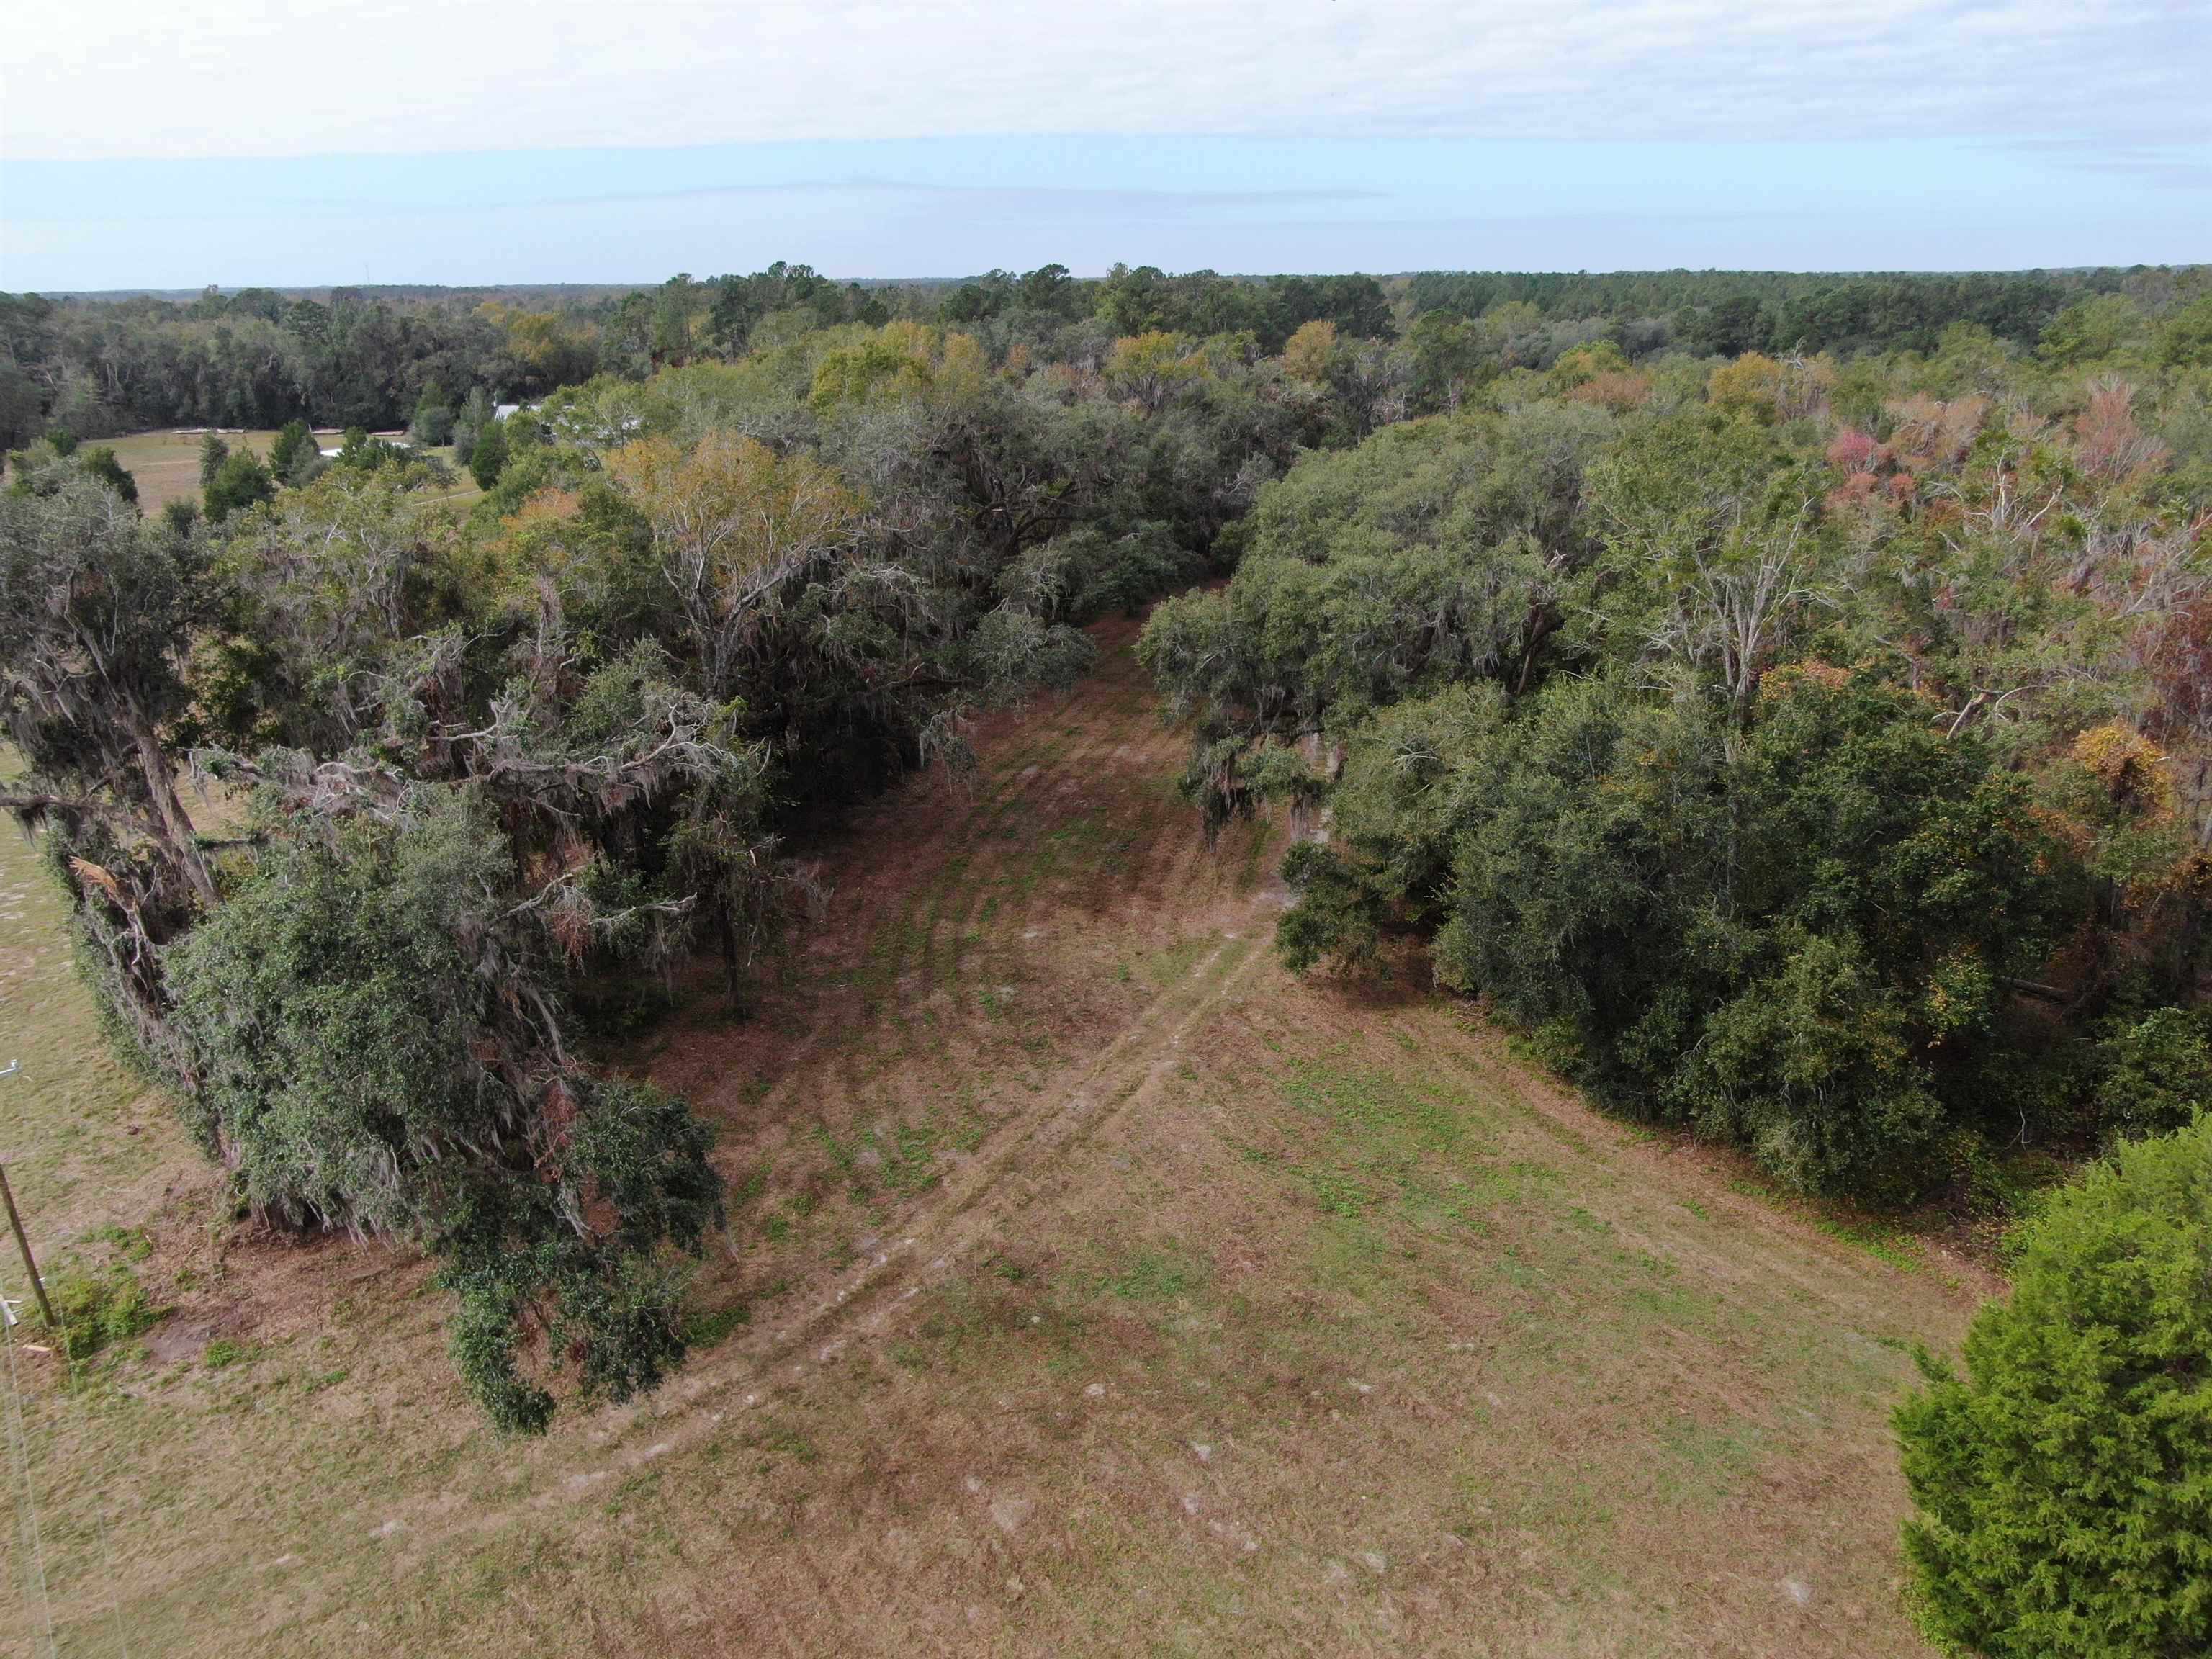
(1308, 351)
(1150, 368)
(732, 521)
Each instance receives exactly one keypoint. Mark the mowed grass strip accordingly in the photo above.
(1455, 1387)
(81, 1135)
(1319, 1348)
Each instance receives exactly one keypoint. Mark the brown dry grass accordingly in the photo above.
(1091, 1286)
(165, 465)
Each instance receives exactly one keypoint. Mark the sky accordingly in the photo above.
(240, 141)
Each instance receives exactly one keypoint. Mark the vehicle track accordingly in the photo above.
(1068, 821)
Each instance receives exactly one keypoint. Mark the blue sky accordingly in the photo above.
(267, 143)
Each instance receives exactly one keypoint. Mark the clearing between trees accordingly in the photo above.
(1091, 1285)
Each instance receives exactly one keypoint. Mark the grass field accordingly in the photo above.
(165, 465)
(1090, 1286)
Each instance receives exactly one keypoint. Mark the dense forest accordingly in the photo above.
(342, 357)
(1787, 699)
(1812, 753)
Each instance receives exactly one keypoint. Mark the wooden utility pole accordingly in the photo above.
(23, 1239)
(23, 1244)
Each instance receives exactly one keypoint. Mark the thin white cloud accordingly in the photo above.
(272, 78)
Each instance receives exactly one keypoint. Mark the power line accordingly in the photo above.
(99, 1502)
(19, 1446)
(28, 1530)
(107, 1570)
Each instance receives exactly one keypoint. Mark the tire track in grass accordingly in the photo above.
(872, 927)
(946, 1228)
(1101, 768)
(960, 1221)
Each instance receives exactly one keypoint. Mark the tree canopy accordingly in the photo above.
(1798, 748)
(2063, 1484)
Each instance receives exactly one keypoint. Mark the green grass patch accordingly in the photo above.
(222, 1354)
(1888, 1244)
(706, 1328)
(1154, 1275)
(1171, 966)
(1900, 1250)
(132, 1244)
(99, 1309)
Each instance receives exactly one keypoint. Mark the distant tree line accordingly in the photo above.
(258, 357)
(1726, 312)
